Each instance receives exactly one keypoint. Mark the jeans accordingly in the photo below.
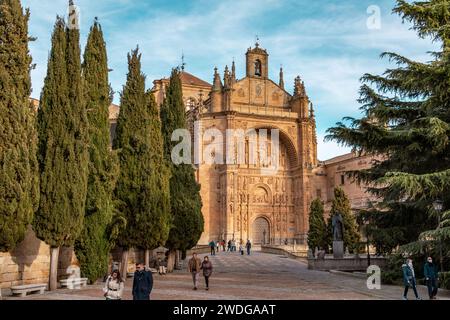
(195, 276)
(413, 286)
(213, 251)
(432, 287)
(207, 281)
(248, 251)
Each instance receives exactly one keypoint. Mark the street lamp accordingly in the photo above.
(438, 206)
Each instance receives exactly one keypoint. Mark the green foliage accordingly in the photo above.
(95, 243)
(19, 178)
(444, 282)
(392, 272)
(186, 204)
(317, 227)
(142, 189)
(341, 204)
(62, 149)
(407, 120)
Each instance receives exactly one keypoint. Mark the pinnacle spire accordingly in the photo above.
(281, 78)
(217, 84)
(299, 87)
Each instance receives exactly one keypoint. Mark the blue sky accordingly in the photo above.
(328, 43)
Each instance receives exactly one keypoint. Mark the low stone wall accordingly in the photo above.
(203, 250)
(346, 264)
(300, 251)
(29, 262)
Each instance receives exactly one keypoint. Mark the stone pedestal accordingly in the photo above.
(338, 249)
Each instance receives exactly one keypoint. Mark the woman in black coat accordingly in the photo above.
(207, 270)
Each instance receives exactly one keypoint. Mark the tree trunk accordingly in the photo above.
(177, 260)
(171, 261)
(124, 264)
(53, 278)
(147, 258)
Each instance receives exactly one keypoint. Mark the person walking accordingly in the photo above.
(194, 267)
(212, 246)
(114, 285)
(142, 283)
(223, 245)
(207, 271)
(229, 246)
(241, 249)
(162, 266)
(249, 247)
(431, 278)
(409, 279)
(233, 245)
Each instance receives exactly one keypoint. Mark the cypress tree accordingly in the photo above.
(95, 243)
(19, 179)
(142, 189)
(62, 152)
(186, 204)
(406, 119)
(317, 227)
(341, 204)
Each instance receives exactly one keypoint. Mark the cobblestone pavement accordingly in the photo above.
(259, 276)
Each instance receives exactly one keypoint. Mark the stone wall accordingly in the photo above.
(346, 264)
(29, 263)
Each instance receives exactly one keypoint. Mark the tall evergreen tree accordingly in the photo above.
(143, 186)
(19, 178)
(186, 204)
(317, 227)
(62, 155)
(407, 120)
(341, 204)
(95, 243)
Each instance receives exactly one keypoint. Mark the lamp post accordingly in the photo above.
(438, 206)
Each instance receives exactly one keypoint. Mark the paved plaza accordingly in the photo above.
(259, 276)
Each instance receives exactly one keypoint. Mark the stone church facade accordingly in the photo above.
(239, 200)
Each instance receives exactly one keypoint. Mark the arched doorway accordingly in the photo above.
(261, 231)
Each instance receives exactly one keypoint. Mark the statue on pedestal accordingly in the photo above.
(337, 223)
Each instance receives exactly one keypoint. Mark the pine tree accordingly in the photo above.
(95, 243)
(19, 178)
(143, 185)
(62, 155)
(317, 227)
(186, 204)
(341, 204)
(407, 120)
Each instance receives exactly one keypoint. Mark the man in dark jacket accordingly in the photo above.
(142, 283)
(409, 279)
(431, 278)
(249, 246)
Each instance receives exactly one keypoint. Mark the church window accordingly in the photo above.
(342, 179)
(190, 104)
(319, 194)
(258, 68)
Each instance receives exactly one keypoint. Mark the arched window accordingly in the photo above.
(258, 68)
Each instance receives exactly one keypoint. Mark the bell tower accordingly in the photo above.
(257, 62)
